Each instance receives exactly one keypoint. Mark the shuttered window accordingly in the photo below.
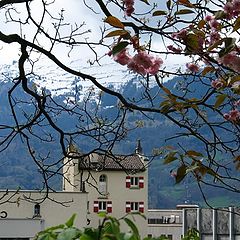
(102, 206)
(134, 207)
(134, 182)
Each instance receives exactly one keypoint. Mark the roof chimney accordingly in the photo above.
(138, 149)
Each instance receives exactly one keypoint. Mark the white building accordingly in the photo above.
(165, 222)
(117, 185)
(23, 213)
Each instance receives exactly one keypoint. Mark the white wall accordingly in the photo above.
(173, 227)
(20, 212)
(117, 191)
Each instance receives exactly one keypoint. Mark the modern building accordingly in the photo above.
(212, 224)
(165, 222)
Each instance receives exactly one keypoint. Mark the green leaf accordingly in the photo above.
(131, 224)
(181, 173)
(184, 11)
(185, 2)
(102, 214)
(236, 24)
(220, 14)
(192, 153)
(192, 168)
(86, 237)
(229, 46)
(145, 1)
(159, 13)
(191, 42)
(201, 23)
(117, 33)
(169, 3)
(119, 47)
(46, 236)
(219, 100)
(207, 70)
(115, 22)
(70, 221)
(170, 157)
(89, 234)
(69, 234)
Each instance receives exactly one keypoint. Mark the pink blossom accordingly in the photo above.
(129, 7)
(237, 103)
(181, 34)
(129, 11)
(122, 57)
(228, 9)
(144, 63)
(227, 116)
(232, 9)
(144, 59)
(231, 60)
(153, 69)
(192, 67)
(233, 115)
(174, 49)
(236, 7)
(214, 24)
(209, 18)
(132, 65)
(214, 36)
(218, 83)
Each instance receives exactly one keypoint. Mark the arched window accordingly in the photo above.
(102, 187)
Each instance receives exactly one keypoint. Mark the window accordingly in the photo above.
(134, 182)
(102, 206)
(37, 210)
(102, 187)
(134, 207)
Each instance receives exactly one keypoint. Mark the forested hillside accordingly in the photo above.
(18, 170)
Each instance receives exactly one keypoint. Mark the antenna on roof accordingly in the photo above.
(138, 149)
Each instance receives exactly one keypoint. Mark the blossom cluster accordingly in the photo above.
(231, 60)
(142, 62)
(233, 115)
(174, 49)
(232, 8)
(129, 4)
(193, 67)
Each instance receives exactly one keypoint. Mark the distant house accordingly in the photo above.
(115, 184)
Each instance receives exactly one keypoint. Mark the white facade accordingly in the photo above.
(111, 190)
(23, 214)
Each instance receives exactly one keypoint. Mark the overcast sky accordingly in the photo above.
(75, 12)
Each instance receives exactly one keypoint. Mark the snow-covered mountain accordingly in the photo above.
(60, 83)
